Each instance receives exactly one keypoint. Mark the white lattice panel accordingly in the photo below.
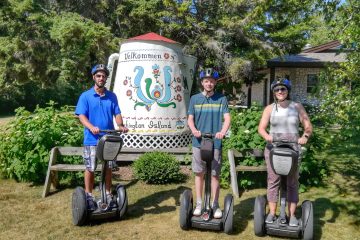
(156, 141)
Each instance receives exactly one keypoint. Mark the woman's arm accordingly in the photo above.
(305, 121)
(265, 119)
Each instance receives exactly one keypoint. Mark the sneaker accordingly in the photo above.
(109, 198)
(197, 210)
(270, 218)
(217, 212)
(293, 222)
(90, 203)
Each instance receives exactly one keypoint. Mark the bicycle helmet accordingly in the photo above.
(209, 72)
(281, 82)
(100, 67)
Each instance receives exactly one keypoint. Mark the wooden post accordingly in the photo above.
(49, 180)
(233, 174)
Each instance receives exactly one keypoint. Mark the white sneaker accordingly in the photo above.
(217, 213)
(197, 210)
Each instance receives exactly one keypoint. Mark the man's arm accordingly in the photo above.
(120, 124)
(192, 127)
(225, 127)
(86, 123)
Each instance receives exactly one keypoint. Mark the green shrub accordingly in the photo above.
(28, 139)
(158, 168)
(244, 137)
(312, 169)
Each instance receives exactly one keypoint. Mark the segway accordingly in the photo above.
(283, 160)
(107, 150)
(206, 219)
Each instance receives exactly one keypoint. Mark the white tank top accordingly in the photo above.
(284, 120)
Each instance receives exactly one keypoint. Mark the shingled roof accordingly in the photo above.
(318, 56)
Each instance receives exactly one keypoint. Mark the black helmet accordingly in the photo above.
(100, 67)
(209, 72)
(283, 82)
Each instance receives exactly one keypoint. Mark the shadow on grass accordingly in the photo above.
(321, 206)
(345, 160)
(151, 204)
(243, 214)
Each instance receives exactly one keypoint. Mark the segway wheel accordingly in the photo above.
(228, 214)
(121, 200)
(259, 216)
(307, 220)
(79, 207)
(186, 206)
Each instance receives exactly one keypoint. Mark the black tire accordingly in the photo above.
(259, 216)
(79, 207)
(186, 206)
(307, 220)
(228, 214)
(121, 200)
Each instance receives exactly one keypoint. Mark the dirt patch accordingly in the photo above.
(124, 173)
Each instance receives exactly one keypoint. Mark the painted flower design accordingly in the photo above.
(178, 79)
(178, 88)
(157, 94)
(166, 55)
(128, 93)
(179, 97)
(156, 70)
(125, 82)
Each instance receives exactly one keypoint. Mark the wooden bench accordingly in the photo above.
(131, 154)
(126, 155)
(232, 155)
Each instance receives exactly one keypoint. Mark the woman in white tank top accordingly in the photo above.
(284, 117)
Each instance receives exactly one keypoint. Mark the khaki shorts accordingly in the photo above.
(89, 157)
(199, 166)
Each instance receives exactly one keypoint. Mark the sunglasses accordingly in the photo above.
(281, 89)
(100, 76)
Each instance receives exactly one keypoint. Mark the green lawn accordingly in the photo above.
(154, 210)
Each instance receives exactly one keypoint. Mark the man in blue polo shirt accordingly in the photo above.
(208, 113)
(96, 110)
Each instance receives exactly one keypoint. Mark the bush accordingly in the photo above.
(244, 137)
(28, 139)
(158, 168)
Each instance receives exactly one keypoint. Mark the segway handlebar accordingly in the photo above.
(207, 135)
(282, 140)
(107, 131)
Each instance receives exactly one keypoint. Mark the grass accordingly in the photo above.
(154, 209)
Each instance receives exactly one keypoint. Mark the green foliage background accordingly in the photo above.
(47, 48)
(28, 139)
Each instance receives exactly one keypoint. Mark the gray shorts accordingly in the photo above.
(199, 166)
(89, 157)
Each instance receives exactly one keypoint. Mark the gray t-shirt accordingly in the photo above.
(208, 115)
(284, 120)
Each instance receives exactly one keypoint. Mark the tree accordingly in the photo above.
(52, 44)
(341, 94)
(45, 52)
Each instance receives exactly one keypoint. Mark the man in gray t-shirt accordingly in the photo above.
(208, 113)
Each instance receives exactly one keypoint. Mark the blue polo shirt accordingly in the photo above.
(208, 115)
(100, 110)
